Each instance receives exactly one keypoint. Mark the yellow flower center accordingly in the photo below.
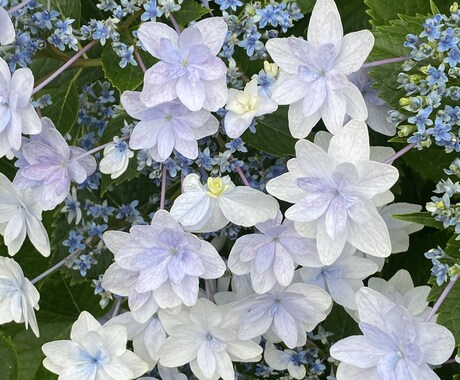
(215, 187)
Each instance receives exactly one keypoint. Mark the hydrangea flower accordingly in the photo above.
(400, 289)
(17, 115)
(164, 260)
(244, 106)
(47, 165)
(336, 194)
(116, 158)
(188, 67)
(341, 279)
(394, 345)
(93, 352)
(18, 296)
(282, 360)
(167, 126)
(147, 337)
(206, 337)
(7, 32)
(21, 216)
(210, 207)
(313, 73)
(283, 314)
(272, 255)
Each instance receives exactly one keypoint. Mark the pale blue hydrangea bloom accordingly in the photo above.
(188, 67)
(47, 165)
(313, 73)
(336, 194)
(394, 346)
(160, 261)
(167, 126)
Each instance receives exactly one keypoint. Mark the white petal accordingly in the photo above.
(351, 143)
(356, 106)
(281, 53)
(151, 33)
(38, 235)
(192, 209)
(300, 126)
(289, 89)
(436, 341)
(213, 31)
(358, 351)
(7, 32)
(356, 47)
(325, 25)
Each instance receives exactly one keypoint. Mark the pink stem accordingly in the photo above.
(383, 62)
(441, 298)
(19, 6)
(243, 177)
(64, 66)
(175, 24)
(116, 307)
(407, 148)
(163, 189)
(98, 148)
(139, 60)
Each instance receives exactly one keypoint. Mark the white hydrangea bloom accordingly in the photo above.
(400, 289)
(116, 158)
(7, 32)
(394, 346)
(244, 106)
(272, 255)
(336, 193)
(20, 215)
(341, 279)
(162, 259)
(210, 207)
(282, 360)
(206, 337)
(94, 352)
(284, 314)
(18, 296)
(147, 337)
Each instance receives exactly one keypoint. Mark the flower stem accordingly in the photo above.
(64, 66)
(398, 154)
(441, 298)
(19, 6)
(116, 307)
(163, 189)
(384, 62)
(54, 267)
(139, 60)
(175, 24)
(98, 148)
(243, 177)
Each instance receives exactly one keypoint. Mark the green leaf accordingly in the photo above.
(340, 323)
(130, 173)
(306, 6)
(128, 78)
(424, 218)
(64, 109)
(434, 9)
(8, 359)
(190, 11)
(272, 134)
(453, 247)
(382, 11)
(67, 8)
(28, 346)
(448, 315)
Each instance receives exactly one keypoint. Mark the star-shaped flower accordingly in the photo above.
(94, 352)
(272, 255)
(167, 126)
(206, 337)
(18, 296)
(284, 314)
(244, 106)
(394, 345)
(210, 207)
(188, 67)
(313, 75)
(47, 165)
(336, 194)
(164, 260)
